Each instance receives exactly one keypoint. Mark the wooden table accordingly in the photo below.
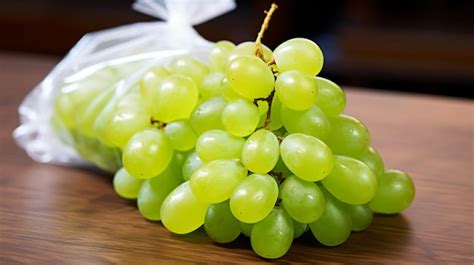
(57, 215)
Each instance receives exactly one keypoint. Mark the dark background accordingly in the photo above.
(418, 46)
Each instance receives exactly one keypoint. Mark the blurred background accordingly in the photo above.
(415, 46)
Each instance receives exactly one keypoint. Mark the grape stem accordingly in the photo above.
(158, 124)
(266, 21)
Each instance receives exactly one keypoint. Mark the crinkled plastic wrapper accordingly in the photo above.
(108, 64)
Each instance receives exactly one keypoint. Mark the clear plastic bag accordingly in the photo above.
(136, 48)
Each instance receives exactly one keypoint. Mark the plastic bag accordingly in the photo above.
(136, 48)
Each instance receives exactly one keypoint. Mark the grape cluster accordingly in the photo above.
(254, 142)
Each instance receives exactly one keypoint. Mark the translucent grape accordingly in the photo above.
(181, 135)
(306, 156)
(149, 85)
(296, 90)
(303, 200)
(254, 197)
(207, 115)
(361, 216)
(126, 186)
(181, 212)
(348, 136)
(299, 229)
(175, 99)
(250, 49)
(271, 238)
(299, 54)
(191, 164)
(87, 118)
(215, 181)
(395, 193)
(372, 159)
(219, 54)
(147, 154)
(275, 115)
(228, 93)
(351, 181)
(331, 99)
(250, 77)
(261, 151)
(189, 66)
(211, 85)
(240, 117)
(246, 228)
(221, 226)
(311, 122)
(218, 144)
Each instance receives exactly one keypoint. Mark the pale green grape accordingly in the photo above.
(271, 238)
(154, 191)
(189, 66)
(217, 59)
(126, 186)
(250, 77)
(249, 48)
(175, 99)
(228, 93)
(299, 229)
(303, 200)
(191, 164)
(296, 90)
(372, 159)
(215, 181)
(260, 152)
(86, 119)
(221, 226)
(150, 84)
(361, 216)
(348, 136)
(207, 115)
(299, 54)
(275, 114)
(331, 99)
(306, 156)
(181, 211)
(211, 85)
(311, 122)
(246, 228)
(395, 193)
(181, 135)
(351, 181)
(147, 154)
(262, 106)
(218, 144)
(240, 118)
(254, 197)
(334, 226)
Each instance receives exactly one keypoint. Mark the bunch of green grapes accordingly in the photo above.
(252, 143)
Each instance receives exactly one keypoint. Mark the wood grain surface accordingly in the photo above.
(58, 215)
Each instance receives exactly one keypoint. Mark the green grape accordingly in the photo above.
(180, 135)
(214, 182)
(126, 186)
(306, 156)
(261, 151)
(271, 238)
(253, 199)
(311, 122)
(250, 77)
(211, 85)
(87, 118)
(191, 164)
(250, 49)
(280, 167)
(207, 115)
(246, 228)
(240, 117)
(228, 93)
(299, 54)
(275, 115)
(262, 106)
(147, 154)
(296, 90)
(175, 99)
(181, 211)
(154, 191)
(303, 200)
(348, 136)
(334, 226)
(351, 181)
(299, 229)
(217, 59)
(150, 84)
(372, 159)
(395, 193)
(189, 66)
(361, 216)
(331, 99)
(221, 226)
(218, 144)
